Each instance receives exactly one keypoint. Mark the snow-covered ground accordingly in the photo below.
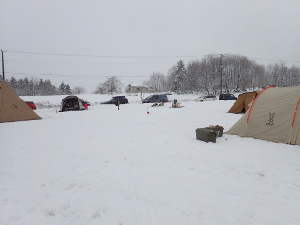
(127, 167)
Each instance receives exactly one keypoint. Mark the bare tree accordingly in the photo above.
(157, 82)
(239, 73)
(111, 86)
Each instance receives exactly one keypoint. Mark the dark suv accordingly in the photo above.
(227, 96)
(117, 99)
(155, 99)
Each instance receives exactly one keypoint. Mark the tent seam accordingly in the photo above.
(253, 103)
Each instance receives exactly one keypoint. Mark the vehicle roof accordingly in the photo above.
(158, 95)
(70, 97)
(227, 94)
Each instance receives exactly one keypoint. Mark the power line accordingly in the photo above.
(86, 75)
(137, 56)
(99, 56)
(276, 60)
(16, 60)
(74, 75)
(267, 59)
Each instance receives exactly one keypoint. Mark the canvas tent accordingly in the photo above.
(12, 108)
(241, 105)
(274, 116)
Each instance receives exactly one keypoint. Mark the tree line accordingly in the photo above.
(228, 73)
(31, 87)
(212, 74)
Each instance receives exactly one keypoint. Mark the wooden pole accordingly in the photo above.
(3, 71)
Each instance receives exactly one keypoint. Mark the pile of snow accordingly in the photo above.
(105, 166)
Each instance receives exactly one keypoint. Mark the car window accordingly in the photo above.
(149, 97)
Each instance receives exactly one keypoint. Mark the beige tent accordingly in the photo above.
(12, 108)
(241, 105)
(274, 116)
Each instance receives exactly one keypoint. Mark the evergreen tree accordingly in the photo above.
(178, 77)
(68, 90)
(30, 87)
(61, 88)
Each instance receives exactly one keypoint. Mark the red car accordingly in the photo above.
(31, 105)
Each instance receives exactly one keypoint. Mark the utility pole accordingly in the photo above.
(221, 72)
(3, 72)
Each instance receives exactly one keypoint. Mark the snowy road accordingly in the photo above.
(127, 167)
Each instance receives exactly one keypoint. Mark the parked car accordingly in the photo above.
(206, 98)
(155, 99)
(117, 99)
(31, 105)
(227, 96)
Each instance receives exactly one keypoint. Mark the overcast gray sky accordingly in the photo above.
(266, 29)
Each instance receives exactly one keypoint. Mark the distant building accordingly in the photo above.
(137, 89)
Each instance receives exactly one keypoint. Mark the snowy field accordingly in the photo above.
(127, 167)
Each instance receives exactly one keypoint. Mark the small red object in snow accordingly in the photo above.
(31, 105)
(86, 106)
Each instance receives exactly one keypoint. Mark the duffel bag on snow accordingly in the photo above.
(206, 134)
